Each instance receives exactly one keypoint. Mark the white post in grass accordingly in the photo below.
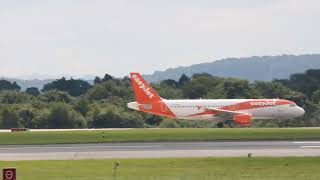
(115, 168)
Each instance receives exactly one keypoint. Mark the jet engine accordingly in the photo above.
(242, 119)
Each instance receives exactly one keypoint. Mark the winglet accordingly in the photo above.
(143, 92)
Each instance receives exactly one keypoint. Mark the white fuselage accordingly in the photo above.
(194, 109)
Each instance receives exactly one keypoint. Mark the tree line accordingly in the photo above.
(74, 103)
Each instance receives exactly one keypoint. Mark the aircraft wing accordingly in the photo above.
(218, 111)
(226, 114)
(222, 113)
(237, 117)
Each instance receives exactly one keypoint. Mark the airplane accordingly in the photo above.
(223, 111)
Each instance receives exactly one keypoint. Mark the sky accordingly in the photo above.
(42, 38)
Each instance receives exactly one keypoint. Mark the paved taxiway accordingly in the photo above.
(157, 150)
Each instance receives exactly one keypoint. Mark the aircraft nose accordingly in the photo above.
(300, 111)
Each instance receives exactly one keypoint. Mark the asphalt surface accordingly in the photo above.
(159, 150)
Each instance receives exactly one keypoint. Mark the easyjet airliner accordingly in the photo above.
(238, 111)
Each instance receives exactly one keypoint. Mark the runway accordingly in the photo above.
(159, 150)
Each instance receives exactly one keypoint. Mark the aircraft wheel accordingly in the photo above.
(220, 125)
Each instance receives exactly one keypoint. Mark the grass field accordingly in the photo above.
(158, 135)
(289, 168)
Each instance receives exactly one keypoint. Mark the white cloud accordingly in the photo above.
(97, 37)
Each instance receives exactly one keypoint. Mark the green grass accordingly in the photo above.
(158, 135)
(291, 168)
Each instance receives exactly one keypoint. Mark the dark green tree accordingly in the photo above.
(236, 88)
(107, 90)
(27, 115)
(9, 118)
(7, 85)
(316, 96)
(75, 87)
(197, 75)
(97, 80)
(33, 91)
(107, 77)
(306, 83)
(108, 119)
(271, 89)
(169, 123)
(14, 97)
(116, 117)
(201, 86)
(169, 82)
(183, 80)
(82, 106)
(61, 115)
(55, 96)
(153, 119)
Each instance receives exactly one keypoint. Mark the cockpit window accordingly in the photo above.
(293, 105)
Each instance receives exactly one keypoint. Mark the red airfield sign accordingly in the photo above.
(9, 174)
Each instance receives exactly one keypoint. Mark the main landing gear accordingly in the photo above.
(220, 125)
(228, 123)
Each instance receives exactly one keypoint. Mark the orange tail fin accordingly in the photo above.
(143, 92)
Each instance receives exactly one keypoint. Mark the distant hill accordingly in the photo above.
(24, 84)
(263, 68)
(38, 83)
